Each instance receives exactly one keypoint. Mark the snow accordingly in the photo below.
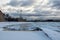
(52, 34)
(23, 35)
(51, 31)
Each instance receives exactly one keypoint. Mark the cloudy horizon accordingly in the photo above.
(31, 7)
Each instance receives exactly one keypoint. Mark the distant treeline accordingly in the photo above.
(9, 18)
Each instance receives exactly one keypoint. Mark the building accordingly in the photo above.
(21, 19)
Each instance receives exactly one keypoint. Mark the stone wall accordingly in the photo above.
(2, 19)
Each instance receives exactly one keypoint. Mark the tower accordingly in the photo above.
(20, 19)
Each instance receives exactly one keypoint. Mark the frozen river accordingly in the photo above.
(51, 31)
(40, 24)
(49, 25)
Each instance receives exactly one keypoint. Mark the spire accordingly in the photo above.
(20, 13)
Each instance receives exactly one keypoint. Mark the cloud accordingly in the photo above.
(36, 7)
(21, 2)
(55, 4)
(3, 2)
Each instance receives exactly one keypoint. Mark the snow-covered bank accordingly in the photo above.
(52, 34)
(23, 35)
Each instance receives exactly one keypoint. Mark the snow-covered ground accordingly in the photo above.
(52, 34)
(51, 31)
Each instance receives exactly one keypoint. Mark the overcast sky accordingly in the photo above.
(37, 7)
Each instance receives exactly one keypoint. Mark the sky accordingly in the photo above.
(34, 7)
